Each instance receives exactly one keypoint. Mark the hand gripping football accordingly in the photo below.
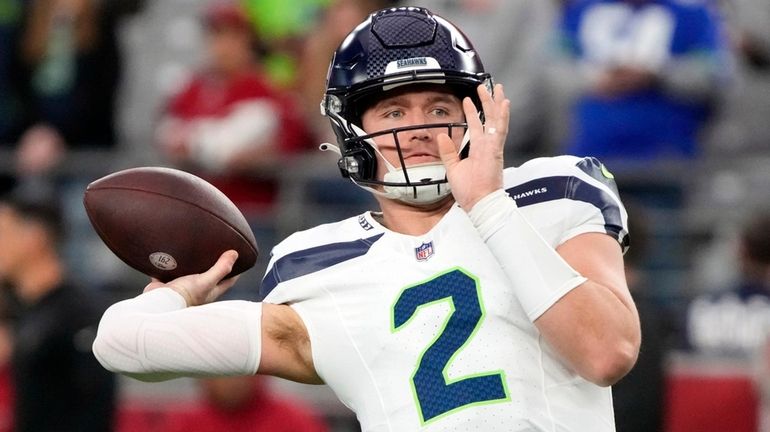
(168, 223)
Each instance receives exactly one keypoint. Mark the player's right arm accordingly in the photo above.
(173, 330)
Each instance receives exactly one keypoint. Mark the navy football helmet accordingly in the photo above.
(392, 48)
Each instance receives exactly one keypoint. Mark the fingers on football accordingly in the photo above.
(221, 268)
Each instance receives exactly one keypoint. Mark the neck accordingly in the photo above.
(411, 220)
(38, 278)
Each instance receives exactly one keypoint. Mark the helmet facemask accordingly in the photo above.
(420, 184)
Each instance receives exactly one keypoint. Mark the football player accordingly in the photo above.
(477, 298)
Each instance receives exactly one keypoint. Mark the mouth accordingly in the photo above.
(420, 159)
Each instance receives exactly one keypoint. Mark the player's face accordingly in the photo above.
(410, 108)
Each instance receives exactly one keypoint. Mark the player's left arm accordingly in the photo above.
(595, 326)
(577, 297)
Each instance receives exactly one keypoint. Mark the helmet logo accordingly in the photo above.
(399, 69)
(412, 63)
(419, 61)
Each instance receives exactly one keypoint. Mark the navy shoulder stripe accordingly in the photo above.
(557, 187)
(303, 262)
(599, 172)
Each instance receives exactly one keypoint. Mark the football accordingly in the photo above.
(168, 223)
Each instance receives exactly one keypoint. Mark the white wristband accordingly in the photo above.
(539, 275)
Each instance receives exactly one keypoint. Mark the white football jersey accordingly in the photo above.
(425, 333)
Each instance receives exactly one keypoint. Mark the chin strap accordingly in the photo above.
(418, 194)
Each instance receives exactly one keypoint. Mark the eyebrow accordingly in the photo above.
(400, 100)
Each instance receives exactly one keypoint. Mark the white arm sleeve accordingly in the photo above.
(155, 337)
(539, 275)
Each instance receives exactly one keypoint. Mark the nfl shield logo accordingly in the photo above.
(424, 251)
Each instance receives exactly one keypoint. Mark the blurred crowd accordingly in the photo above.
(672, 95)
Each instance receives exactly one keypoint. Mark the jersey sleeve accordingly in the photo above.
(311, 252)
(581, 192)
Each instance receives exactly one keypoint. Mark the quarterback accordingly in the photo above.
(476, 299)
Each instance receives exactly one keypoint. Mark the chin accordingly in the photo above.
(443, 202)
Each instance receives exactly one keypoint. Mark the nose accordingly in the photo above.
(420, 133)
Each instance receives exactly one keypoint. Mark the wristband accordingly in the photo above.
(538, 274)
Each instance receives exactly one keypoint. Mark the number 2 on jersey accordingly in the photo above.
(435, 393)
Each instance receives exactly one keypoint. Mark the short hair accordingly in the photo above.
(39, 209)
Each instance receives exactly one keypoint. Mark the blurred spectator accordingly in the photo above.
(742, 127)
(736, 321)
(515, 55)
(244, 404)
(645, 75)
(750, 22)
(40, 150)
(230, 125)
(58, 384)
(70, 53)
(282, 26)
(228, 122)
(11, 113)
(7, 319)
